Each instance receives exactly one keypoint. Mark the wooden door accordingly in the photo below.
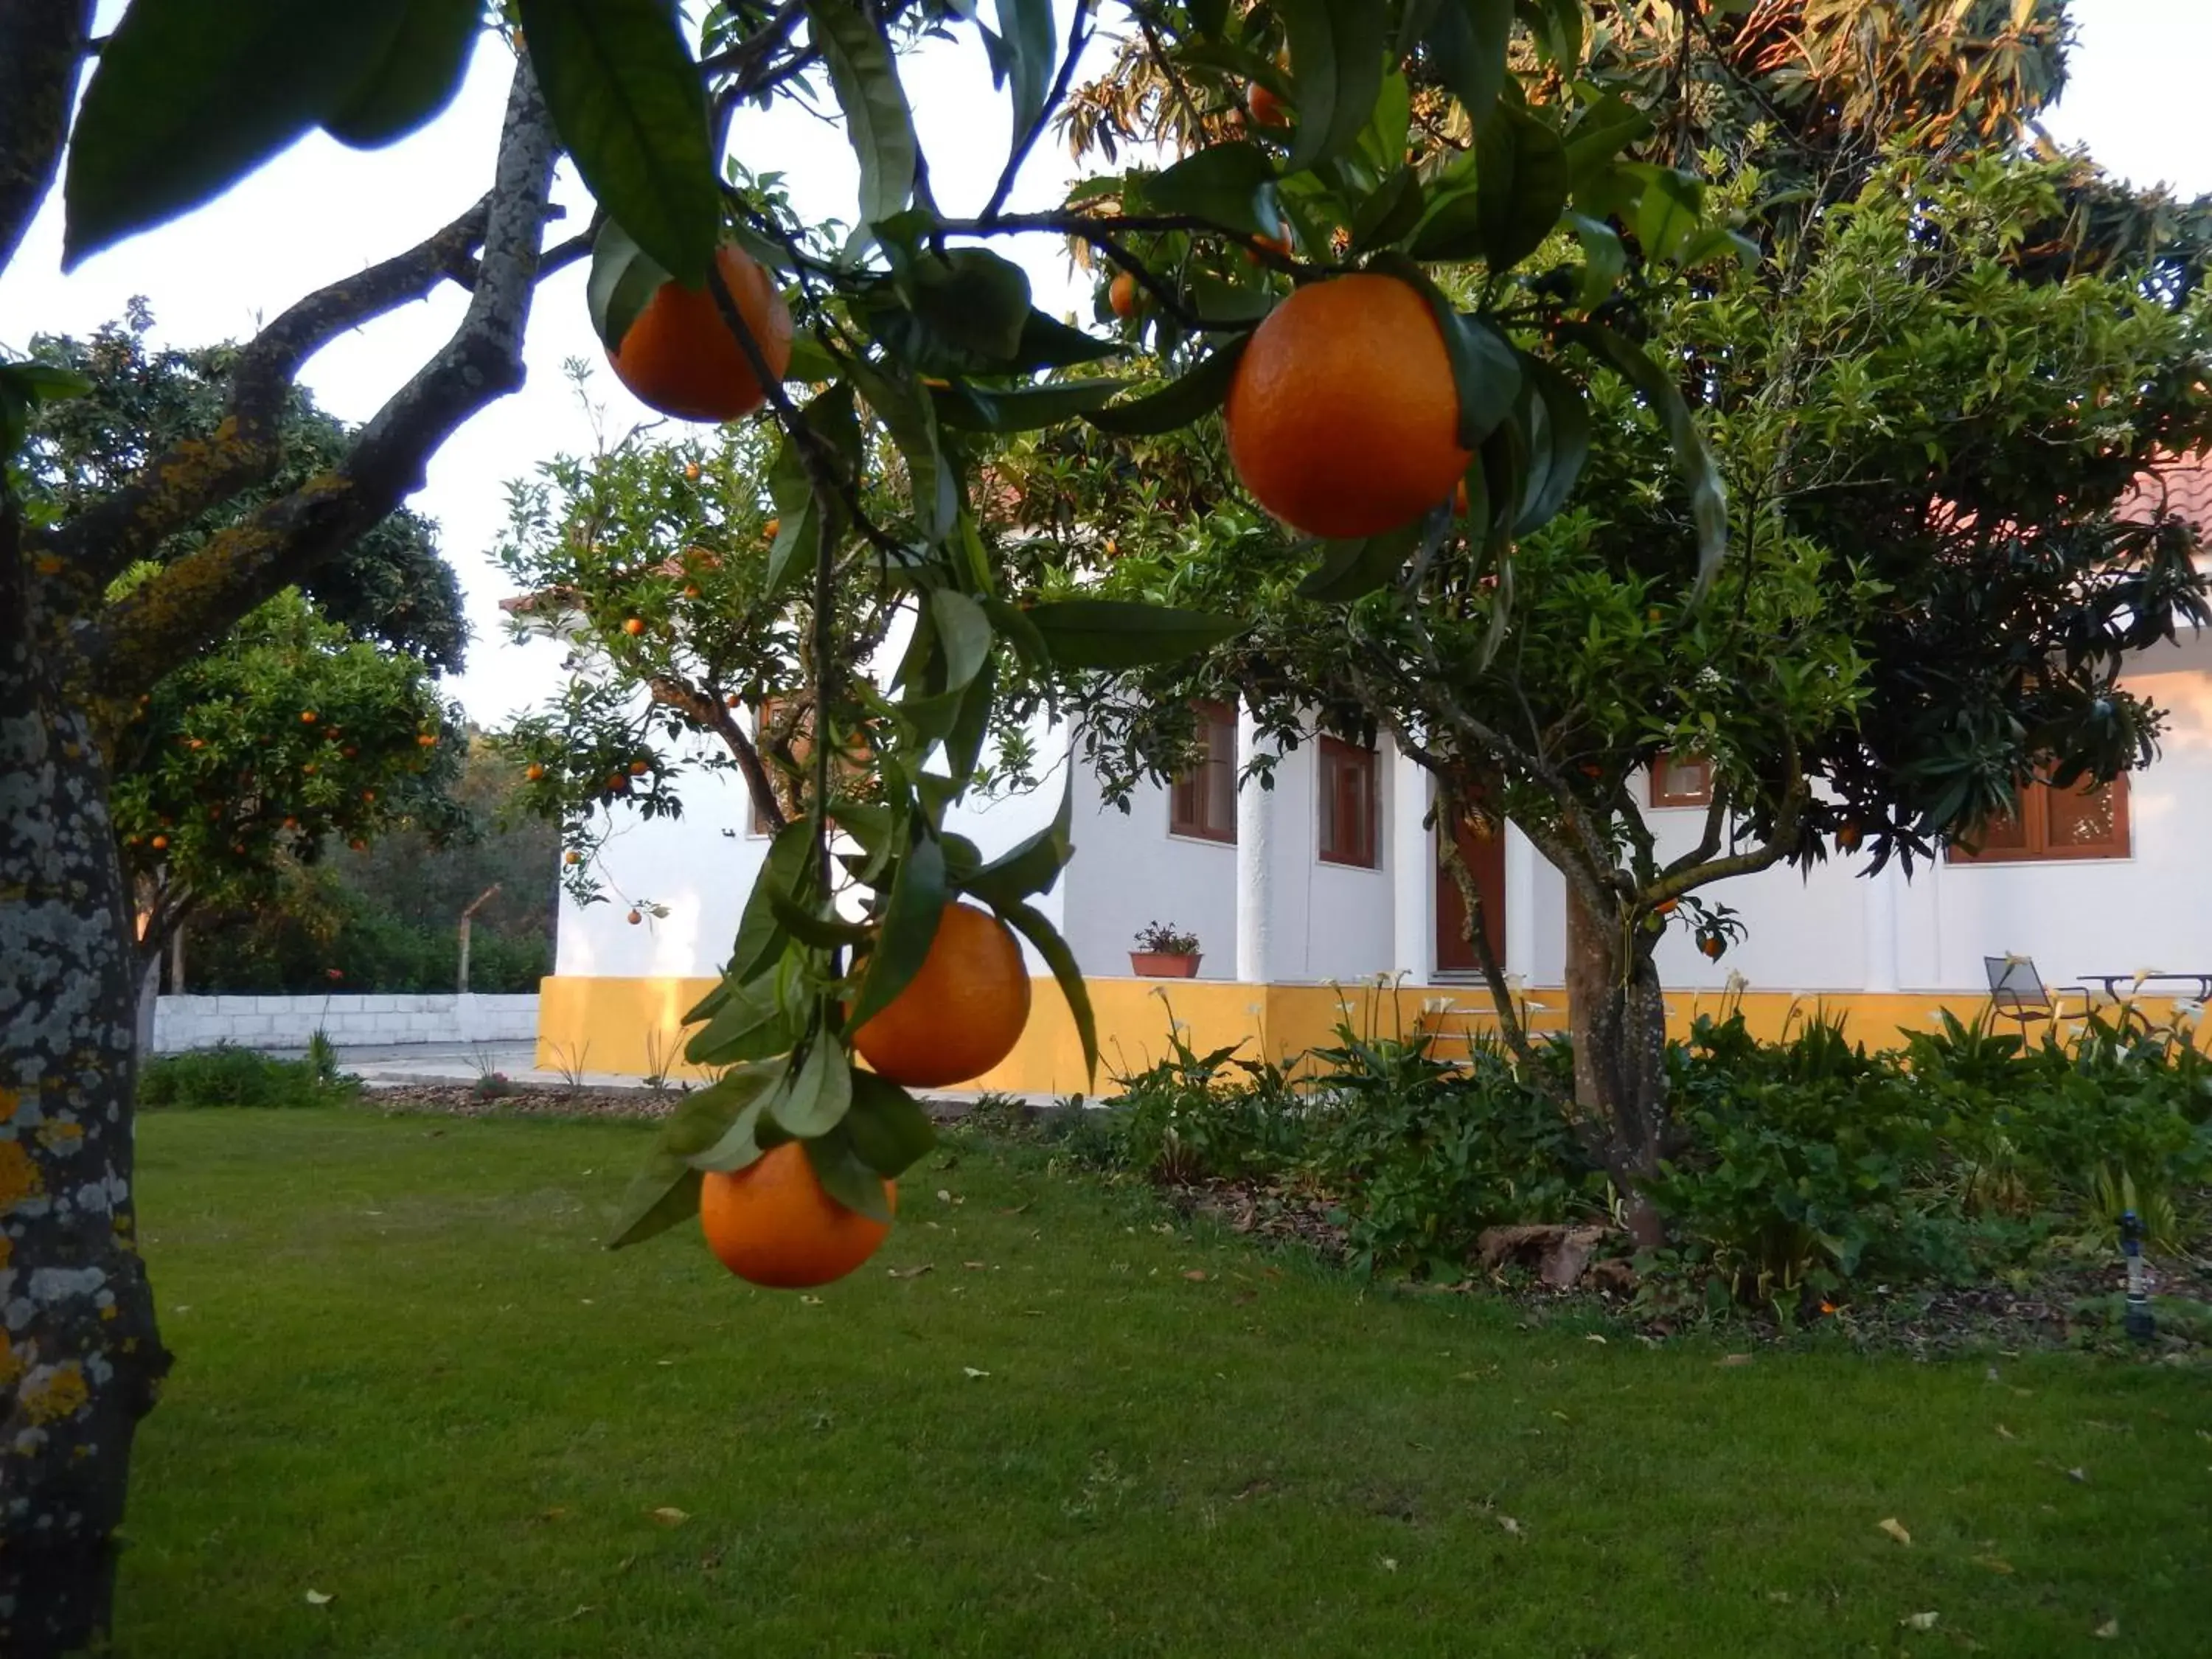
(1483, 845)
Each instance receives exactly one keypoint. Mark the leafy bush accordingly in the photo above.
(226, 1075)
(1800, 1166)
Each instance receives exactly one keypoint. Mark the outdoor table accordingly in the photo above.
(2137, 982)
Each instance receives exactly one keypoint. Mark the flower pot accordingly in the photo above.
(1160, 964)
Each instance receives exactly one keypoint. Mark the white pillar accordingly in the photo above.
(1413, 871)
(1521, 922)
(1880, 925)
(1255, 859)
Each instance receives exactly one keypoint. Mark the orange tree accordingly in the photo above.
(1929, 401)
(318, 721)
(910, 339)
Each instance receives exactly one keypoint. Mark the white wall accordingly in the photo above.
(1129, 871)
(181, 1023)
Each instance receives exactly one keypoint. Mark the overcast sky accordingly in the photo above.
(2135, 98)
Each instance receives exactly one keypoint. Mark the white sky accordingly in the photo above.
(321, 210)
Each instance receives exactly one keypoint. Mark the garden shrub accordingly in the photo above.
(226, 1075)
(1801, 1166)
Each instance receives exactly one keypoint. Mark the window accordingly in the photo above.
(1202, 802)
(1687, 782)
(2088, 823)
(1347, 804)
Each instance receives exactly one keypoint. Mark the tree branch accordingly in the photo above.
(198, 472)
(194, 600)
(712, 713)
(41, 43)
(1078, 37)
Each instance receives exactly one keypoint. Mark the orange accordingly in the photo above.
(960, 1015)
(1343, 416)
(679, 356)
(533, 771)
(1711, 947)
(1121, 295)
(771, 528)
(1266, 108)
(635, 918)
(772, 1223)
(633, 626)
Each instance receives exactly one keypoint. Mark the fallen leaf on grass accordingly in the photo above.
(1019, 1207)
(1734, 1359)
(317, 1599)
(1782, 1596)
(2004, 1433)
(811, 1300)
(1595, 1337)
(669, 1515)
(1387, 1563)
(2109, 1630)
(2081, 1477)
(1895, 1528)
(1919, 1621)
(1196, 1275)
(912, 1272)
(1994, 1563)
(969, 1371)
(973, 1265)
(1510, 1524)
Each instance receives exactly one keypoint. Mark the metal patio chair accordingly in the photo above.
(2017, 993)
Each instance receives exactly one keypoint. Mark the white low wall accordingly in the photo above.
(182, 1023)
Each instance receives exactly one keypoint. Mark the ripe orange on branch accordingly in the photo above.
(771, 1222)
(960, 1014)
(679, 355)
(1121, 294)
(1343, 416)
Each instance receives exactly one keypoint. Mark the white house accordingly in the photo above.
(1300, 893)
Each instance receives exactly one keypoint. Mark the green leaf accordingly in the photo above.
(1667, 217)
(971, 723)
(1521, 186)
(887, 1127)
(1013, 625)
(974, 300)
(1391, 212)
(1122, 634)
(1337, 50)
(1232, 186)
(624, 281)
(846, 1176)
(1501, 611)
(909, 928)
(1692, 457)
(907, 412)
(417, 76)
(1557, 25)
(666, 1189)
(1562, 439)
(761, 936)
(814, 1099)
(877, 119)
(809, 925)
(1468, 41)
(1028, 409)
(749, 1024)
(1603, 259)
(1032, 927)
(1602, 130)
(1026, 37)
(1179, 402)
(1485, 370)
(1351, 568)
(188, 96)
(1031, 866)
(964, 632)
(631, 110)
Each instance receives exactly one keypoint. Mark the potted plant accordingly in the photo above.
(1162, 953)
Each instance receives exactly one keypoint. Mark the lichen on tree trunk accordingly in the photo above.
(80, 1356)
(1619, 1023)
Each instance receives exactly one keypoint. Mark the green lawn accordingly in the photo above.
(408, 1378)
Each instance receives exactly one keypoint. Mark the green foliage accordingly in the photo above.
(228, 1076)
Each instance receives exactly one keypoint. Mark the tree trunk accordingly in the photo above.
(80, 1357)
(1620, 1026)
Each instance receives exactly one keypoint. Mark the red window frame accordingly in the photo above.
(1349, 807)
(1202, 801)
(1680, 783)
(2035, 835)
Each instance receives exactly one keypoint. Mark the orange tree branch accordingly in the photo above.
(132, 642)
(41, 44)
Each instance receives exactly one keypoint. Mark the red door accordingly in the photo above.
(1482, 844)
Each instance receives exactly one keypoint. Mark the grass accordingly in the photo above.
(408, 1378)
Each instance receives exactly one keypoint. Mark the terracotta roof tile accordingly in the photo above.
(2180, 484)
